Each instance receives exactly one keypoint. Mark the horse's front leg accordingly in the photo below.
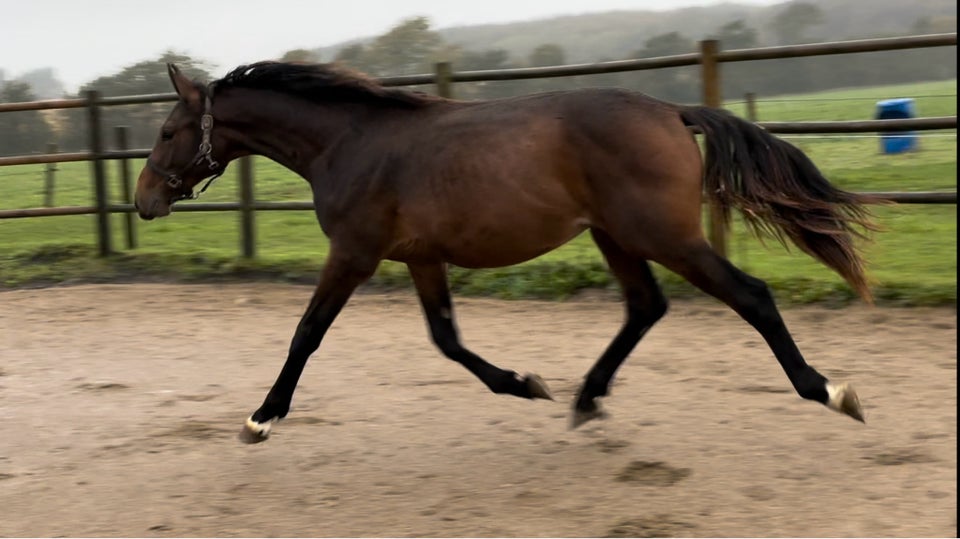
(431, 283)
(341, 276)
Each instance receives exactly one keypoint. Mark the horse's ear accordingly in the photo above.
(186, 88)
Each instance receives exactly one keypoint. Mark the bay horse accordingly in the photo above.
(429, 181)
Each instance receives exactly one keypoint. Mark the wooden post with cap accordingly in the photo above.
(99, 174)
(443, 70)
(248, 241)
(710, 74)
(125, 186)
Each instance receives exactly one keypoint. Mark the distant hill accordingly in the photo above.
(614, 35)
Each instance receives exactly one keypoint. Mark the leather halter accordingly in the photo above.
(204, 154)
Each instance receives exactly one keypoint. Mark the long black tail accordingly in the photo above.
(781, 192)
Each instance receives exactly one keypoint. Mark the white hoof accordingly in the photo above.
(842, 398)
(254, 432)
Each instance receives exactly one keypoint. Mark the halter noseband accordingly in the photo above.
(204, 154)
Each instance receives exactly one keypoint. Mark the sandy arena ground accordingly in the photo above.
(121, 405)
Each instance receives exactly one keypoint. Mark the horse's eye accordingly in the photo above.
(166, 135)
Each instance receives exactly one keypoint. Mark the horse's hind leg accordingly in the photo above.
(645, 304)
(431, 284)
(751, 299)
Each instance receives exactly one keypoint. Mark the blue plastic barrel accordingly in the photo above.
(897, 141)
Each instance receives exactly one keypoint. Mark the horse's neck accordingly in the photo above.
(286, 130)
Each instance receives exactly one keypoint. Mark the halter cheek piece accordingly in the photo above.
(204, 154)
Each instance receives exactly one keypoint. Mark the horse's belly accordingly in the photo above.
(491, 247)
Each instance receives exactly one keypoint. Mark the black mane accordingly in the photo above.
(322, 83)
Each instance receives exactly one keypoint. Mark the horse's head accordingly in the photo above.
(183, 155)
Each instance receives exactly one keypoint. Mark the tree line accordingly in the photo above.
(412, 47)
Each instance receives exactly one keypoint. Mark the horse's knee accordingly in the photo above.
(645, 314)
(659, 308)
(446, 341)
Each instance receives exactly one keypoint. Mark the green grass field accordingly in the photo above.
(913, 261)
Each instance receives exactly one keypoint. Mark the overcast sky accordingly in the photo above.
(84, 39)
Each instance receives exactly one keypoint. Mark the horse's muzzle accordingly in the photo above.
(143, 215)
(152, 210)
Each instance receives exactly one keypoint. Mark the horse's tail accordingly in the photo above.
(780, 191)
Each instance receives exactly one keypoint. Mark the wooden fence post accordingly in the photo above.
(710, 75)
(247, 229)
(740, 240)
(99, 174)
(443, 70)
(751, 99)
(49, 178)
(123, 167)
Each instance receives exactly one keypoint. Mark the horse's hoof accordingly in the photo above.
(579, 417)
(843, 399)
(254, 433)
(537, 387)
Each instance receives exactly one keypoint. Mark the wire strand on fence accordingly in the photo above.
(25, 173)
(875, 136)
(829, 99)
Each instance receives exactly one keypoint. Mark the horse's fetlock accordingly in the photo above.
(811, 385)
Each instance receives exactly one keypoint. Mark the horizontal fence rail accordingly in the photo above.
(128, 208)
(857, 126)
(917, 197)
(79, 103)
(838, 47)
(613, 66)
(862, 126)
(443, 77)
(72, 157)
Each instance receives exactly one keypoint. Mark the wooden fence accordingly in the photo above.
(709, 57)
